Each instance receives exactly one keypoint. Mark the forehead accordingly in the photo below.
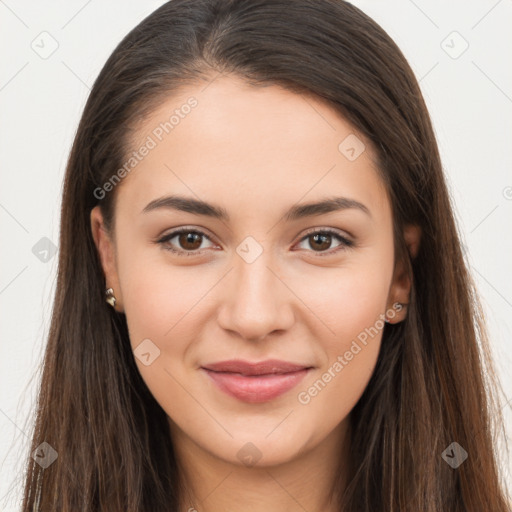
(241, 143)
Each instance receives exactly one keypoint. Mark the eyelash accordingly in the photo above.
(345, 243)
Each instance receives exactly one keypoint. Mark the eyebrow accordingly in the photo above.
(198, 207)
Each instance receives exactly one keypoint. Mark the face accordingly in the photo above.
(264, 278)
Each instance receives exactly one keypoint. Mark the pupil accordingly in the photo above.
(325, 239)
(189, 239)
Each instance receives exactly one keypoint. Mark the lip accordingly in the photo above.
(255, 382)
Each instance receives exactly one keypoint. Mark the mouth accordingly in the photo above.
(255, 382)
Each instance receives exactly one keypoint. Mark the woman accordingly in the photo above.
(262, 303)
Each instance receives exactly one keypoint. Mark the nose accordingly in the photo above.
(256, 301)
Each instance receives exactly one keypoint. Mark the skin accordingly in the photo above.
(255, 152)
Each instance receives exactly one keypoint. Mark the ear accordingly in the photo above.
(107, 254)
(401, 283)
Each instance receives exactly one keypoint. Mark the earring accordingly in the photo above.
(109, 292)
(402, 304)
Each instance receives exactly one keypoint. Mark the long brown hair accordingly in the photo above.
(433, 384)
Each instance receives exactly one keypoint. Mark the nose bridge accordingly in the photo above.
(255, 302)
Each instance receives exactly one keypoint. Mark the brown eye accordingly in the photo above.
(188, 241)
(320, 242)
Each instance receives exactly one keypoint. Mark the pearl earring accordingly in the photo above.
(109, 292)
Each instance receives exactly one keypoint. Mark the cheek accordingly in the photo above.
(352, 309)
(345, 302)
(158, 302)
(157, 296)
(164, 304)
(349, 355)
(335, 389)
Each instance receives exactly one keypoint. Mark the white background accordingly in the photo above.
(41, 99)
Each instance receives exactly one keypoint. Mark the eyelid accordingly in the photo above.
(346, 241)
(345, 235)
(163, 239)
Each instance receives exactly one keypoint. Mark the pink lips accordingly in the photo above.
(256, 382)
